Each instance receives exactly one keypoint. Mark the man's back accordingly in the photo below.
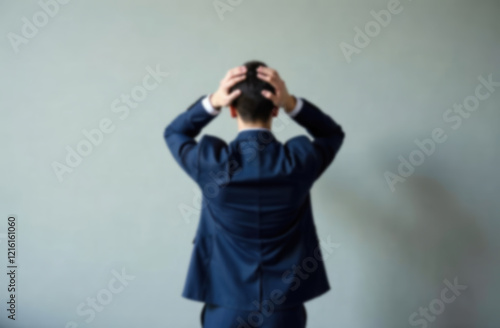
(256, 240)
(257, 186)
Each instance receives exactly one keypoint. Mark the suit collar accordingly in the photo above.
(260, 135)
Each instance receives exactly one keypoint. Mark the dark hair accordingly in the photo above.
(251, 105)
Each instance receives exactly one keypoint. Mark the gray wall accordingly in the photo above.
(119, 208)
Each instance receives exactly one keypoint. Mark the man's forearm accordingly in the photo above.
(191, 121)
(316, 122)
(181, 132)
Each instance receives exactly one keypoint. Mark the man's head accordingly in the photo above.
(251, 105)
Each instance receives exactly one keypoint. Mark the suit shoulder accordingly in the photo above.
(210, 140)
(298, 143)
(212, 148)
(299, 154)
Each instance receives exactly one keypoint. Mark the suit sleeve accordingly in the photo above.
(327, 134)
(180, 135)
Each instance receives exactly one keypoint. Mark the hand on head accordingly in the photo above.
(222, 97)
(281, 98)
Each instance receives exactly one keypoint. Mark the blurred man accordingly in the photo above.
(256, 256)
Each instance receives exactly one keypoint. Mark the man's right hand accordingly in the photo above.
(222, 97)
(281, 97)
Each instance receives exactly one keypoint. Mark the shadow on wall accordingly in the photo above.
(409, 247)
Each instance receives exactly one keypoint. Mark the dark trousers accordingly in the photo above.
(213, 316)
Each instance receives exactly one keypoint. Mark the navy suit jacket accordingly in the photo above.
(256, 242)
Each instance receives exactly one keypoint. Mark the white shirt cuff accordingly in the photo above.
(208, 106)
(298, 107)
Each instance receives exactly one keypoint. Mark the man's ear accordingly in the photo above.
(275, 111)
(233, 111)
